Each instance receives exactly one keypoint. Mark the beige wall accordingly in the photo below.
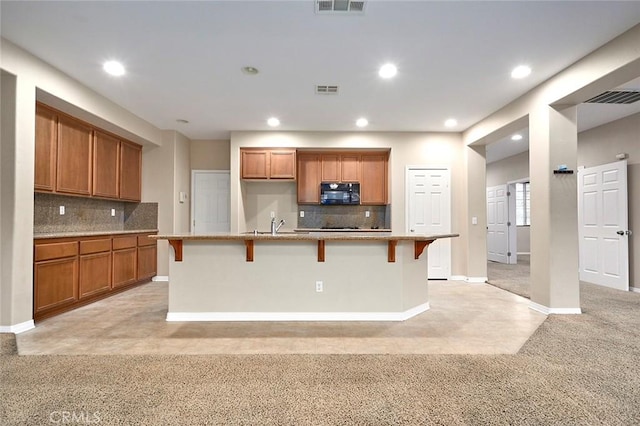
(600, 146)
(250, 211)
(595, 147)
(210, 154)
(165, 172)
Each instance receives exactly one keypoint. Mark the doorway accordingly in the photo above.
(429, 212)
(210, 201)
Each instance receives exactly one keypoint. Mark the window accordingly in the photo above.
(523, 204)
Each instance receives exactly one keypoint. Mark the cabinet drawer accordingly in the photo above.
(120, 243)
(55, 250)
(95, 246)
(144, 240)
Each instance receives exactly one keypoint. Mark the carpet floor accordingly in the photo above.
(574, 370)
(513, 278)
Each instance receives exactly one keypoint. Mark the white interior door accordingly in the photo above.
(603, 225)
(498, 224)
(429, 207)
(209, 201)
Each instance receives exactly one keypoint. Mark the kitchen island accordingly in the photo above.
(293, 276)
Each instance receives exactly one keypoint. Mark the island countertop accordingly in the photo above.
(304, 236)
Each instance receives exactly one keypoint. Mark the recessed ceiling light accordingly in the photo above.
(182, 121)
(516, 137)
(273, 122)
(113, 68)
(250, 70)
(521, 71)
(362, 122)
(452, 122)
(388, 71)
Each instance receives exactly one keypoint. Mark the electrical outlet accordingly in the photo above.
(113, 212)
(273, 214)
(301, 213)
(61, 210)
(319, 286)
(367, 213)
(474, 220)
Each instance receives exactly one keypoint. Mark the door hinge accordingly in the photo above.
(508, 193)
(508, 254)
(508, 223)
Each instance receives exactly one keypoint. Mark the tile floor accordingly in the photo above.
(463, 319)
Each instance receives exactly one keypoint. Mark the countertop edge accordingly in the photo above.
(79, 234)
(301, 236)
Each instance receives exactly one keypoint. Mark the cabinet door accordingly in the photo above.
(373, 187)
(95, 274)
(46, 143)
(130, 171)
(350, 168)
(106, 165)
(124, 267)
(74, 157)
(55, 283)
(282, 164)
(330, 168)
(254, 164)
(308, 178)
(147, 260)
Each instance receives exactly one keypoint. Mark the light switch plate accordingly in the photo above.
(301, 213)
(61, 210)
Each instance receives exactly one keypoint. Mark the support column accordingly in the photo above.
(555, 284)
(17, 150)
(476, 208)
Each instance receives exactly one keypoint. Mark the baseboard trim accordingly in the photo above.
(297, 316)
(163, 278)
(18, 328)
(458, 278)
(523, 253)
(557, 311)
(635, 289)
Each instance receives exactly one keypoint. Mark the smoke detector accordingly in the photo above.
(339, 6)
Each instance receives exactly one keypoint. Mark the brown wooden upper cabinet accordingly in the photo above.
(374, 185)
(106, 166)
(340, 168)
(130, 171)
(268, 163)
(72, 157)
(367, 167)
(73, 164)
(46, 145)
(309, 178)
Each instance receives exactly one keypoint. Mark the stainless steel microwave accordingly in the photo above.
(339, 193)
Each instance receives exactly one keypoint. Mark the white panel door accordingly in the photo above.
(603, 222)
(429, 207)
(498, 224)
(210, 202)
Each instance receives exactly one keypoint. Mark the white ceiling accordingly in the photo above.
(184, 59)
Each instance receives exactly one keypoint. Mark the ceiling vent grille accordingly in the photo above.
(339, 6)
(616, 97)
(326, 90)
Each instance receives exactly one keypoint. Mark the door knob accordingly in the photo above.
(412, 230)
(620, 232)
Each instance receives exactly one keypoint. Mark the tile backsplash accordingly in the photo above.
(317, 216)
(90, 214)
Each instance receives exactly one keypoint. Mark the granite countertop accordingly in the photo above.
(42, 235)
(342, 230)
(304, 236)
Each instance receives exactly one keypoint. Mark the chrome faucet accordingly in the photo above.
(274, 227)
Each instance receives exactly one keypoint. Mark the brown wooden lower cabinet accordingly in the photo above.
(70, 272)
(95, 274)
(57, 284)
(124, 267)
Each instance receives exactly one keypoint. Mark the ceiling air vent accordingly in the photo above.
(616, 97)
(339, 6)
(326, 90)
